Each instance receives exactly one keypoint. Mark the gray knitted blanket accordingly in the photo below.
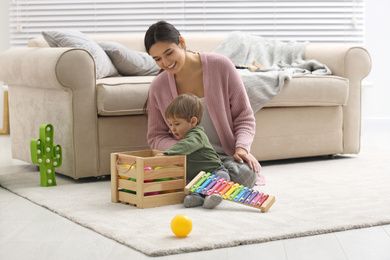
(281, 61)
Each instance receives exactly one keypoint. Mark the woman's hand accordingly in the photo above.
(242, 155)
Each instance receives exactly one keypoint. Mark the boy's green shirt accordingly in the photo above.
(201, 156)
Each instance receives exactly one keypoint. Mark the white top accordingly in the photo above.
(210, 130)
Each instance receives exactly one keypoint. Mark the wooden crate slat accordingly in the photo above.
(127, 197)
(127, 184)
(142, 153)
(114, 178)
(164, 173)
(168, 172)
(164, 185)
(130, 174)
(126, 159)
(163, 199)
(154, 152)
(163, 161)
(140, 183)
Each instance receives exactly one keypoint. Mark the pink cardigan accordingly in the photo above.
(226, 100)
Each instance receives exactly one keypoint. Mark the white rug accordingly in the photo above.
(313, 196)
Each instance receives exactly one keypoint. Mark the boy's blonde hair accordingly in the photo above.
(185, 106)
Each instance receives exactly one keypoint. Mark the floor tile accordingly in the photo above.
(367, 243)
(46, 227)
(9, 228)
(20, 208)
(120, 251)
(6, 198)
(387, 229)
(270, 250)
(33, 250)
(83, 243)
(319, 247)
(220, 254)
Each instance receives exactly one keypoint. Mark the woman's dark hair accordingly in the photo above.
(161, 32)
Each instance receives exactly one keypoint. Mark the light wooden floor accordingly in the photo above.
(28, 231)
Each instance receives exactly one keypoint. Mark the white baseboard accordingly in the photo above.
(376, 124)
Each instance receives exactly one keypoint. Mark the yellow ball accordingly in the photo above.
(181, 225)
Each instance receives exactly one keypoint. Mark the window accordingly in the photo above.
(333, 21)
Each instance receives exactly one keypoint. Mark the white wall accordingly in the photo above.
(376, 100)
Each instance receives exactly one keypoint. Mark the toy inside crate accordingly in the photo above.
(143, 180)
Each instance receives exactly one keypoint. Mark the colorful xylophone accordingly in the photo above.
(208, 184)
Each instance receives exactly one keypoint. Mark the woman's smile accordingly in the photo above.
(172, 66)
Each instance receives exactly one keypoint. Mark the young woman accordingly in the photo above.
(228, 119)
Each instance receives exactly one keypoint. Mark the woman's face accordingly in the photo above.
(168, 56)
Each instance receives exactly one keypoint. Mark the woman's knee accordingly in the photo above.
(241, 173)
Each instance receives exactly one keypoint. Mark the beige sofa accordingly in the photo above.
(313, 115)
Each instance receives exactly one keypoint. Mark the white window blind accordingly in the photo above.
(333, 21)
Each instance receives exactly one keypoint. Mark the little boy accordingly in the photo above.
(184, 115)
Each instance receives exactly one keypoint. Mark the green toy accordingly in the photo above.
(46, 155)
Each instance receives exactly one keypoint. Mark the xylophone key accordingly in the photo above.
(222, 186)
(230, 191)
(257, 198)
(203, 179)
(216, 186)
(234, 194)
(204, 184)
(211, 184)
(242, 192)
(262, 200)
(226, 188)
(251, 197)
(245, 196)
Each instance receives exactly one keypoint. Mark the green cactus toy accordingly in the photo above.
(46, 155)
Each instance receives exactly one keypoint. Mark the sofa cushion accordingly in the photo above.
(312, 90)
(129, 62)
(118, 96)
(76, 39)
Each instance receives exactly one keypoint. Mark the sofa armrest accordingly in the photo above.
(52, 68)
(344, 60)
(353, 63)
(56, 86)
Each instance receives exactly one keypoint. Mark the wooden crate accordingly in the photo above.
(127, 166)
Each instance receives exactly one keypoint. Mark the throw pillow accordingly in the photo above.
(129, 62)
(76, 39)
